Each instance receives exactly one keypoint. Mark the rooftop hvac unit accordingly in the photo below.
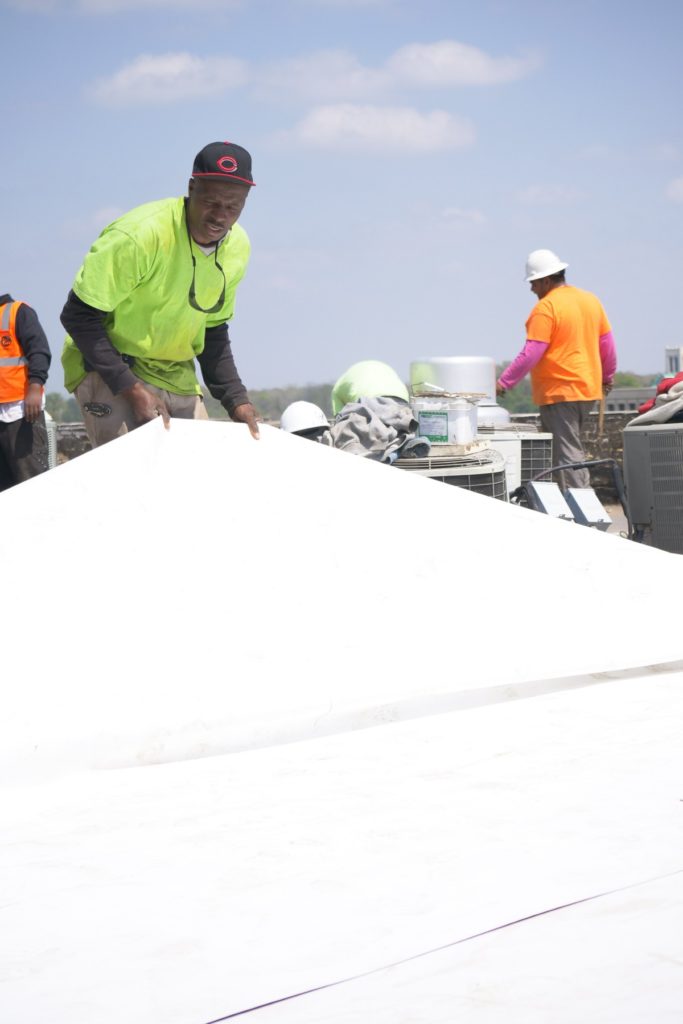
(51, 428)
(653, 476)
(525, 453)
(482, 471)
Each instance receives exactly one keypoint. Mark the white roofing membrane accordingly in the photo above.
(431, 716)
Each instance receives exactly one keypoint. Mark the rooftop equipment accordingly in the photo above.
(545, 496)
(580, 504)
(526, 452)
(481, 470)
(653, 474)
(586, 508)
(463, 375)
(444, 417)
(51, 428)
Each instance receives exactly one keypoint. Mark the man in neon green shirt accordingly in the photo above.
(154, 293)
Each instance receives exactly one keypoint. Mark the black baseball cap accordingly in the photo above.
(223, 160)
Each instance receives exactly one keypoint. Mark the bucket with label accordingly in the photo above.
(432, 418)
(445, 419)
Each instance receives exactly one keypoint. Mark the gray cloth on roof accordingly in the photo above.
(666, 406)
(376, 428)
(416, 448)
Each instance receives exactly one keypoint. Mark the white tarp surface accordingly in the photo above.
(217, 596)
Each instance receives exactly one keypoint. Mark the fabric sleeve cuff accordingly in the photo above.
(122, 380)
(231, 404)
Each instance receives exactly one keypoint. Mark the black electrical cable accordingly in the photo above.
(520, 491)
(439, 949)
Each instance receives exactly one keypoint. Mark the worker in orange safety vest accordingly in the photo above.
(24, 364)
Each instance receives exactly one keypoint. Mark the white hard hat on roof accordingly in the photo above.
(302, 416)
(542, 263)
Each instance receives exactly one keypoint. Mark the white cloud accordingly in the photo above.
(666, 151)
(105, 215)
(674, 190)
(448, 63)
(338, 75)
(382, 129)
(326, 75)
(663, 152)
(456, 215)
(91, 225)
(549, 195)
(598, 151)
(170, 77)
(30, 6)
(112, 6)
(346, 3)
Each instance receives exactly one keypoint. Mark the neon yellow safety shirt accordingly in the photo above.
(139, 273)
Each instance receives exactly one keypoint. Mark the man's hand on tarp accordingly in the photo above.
(246, 413)
(146, 405)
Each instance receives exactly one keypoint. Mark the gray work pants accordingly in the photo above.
(566, 421)
(107, 415)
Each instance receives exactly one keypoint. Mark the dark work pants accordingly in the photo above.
(23, 451)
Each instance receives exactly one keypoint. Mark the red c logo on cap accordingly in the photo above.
(228, 164)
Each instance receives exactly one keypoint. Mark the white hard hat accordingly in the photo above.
(302, 416)
(542, 263)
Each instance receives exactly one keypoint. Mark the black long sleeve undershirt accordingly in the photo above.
(219, 370)
(86, 326)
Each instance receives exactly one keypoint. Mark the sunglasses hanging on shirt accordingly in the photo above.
(191, 298)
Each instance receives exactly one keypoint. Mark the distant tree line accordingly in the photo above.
(63, 408)
(271, 402)
(519, 399)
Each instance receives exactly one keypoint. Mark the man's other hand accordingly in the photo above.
(146, 405)
(246, 413)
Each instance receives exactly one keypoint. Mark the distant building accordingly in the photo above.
(627, 399)
(673, 361)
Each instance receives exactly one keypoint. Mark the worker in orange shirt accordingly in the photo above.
(571, 356)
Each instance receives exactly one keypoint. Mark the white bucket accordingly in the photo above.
(432, 418)
(463, 374)
(462, 421)
(445, 420)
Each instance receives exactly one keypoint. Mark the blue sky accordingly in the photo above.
(407, 157)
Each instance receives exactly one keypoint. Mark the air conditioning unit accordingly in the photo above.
(653, 477)
(51, 428)
(526, 453)
(482, 471)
